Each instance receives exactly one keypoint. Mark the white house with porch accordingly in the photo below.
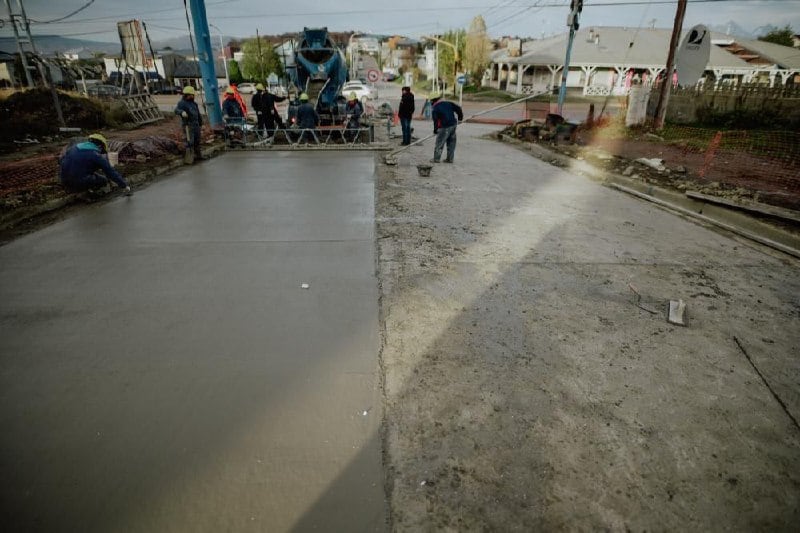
(609, 60)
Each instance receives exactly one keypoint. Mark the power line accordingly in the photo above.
(87, 4)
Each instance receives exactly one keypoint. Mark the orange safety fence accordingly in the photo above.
(755, 159)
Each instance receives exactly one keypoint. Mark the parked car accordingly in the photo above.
(168, 89)
(105, 91)
(247, 88)
(389, 74)
(362, 90)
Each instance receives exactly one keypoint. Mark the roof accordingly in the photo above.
(191, 69)
(783, 56)
(631, 47)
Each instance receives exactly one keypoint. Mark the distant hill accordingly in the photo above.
(48, 44)
(732, 29)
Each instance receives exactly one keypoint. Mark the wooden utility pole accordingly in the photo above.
(661, 109)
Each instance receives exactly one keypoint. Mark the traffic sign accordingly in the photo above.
(461, 80)
(373, 75)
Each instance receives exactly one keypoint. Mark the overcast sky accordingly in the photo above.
(534, 18)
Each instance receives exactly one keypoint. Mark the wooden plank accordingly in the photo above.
(764, 209)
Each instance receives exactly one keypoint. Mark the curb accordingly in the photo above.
(732, 221)
(19, 216)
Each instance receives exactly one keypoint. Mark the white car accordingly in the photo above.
(247, 88)
(362, 90)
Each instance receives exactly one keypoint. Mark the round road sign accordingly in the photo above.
(373, 75)
(461, 80)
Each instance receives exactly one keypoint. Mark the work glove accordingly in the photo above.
(128, 191)
(184, 114)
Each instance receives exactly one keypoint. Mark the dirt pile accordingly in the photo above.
(32, 114)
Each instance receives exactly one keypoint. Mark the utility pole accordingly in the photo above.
(661, 109)
(40, 63)
(205, 57)
(260, 61)
(21, 50)
(224, 55)
(576, 6)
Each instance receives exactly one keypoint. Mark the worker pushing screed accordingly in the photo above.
(390, 159)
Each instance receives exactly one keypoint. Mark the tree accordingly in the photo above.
(447, 66)
(478, 46)
(234, 73)
(782, 36)
(259, 61)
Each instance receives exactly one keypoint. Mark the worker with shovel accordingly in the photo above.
(191, 120)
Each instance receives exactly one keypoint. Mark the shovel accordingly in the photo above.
(188, 155)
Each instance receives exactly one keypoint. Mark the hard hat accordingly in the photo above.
(353, 96)
(304, 97)
(435, 96)
(99, 138)
(188, 90)
(230, 90)
(259, 86)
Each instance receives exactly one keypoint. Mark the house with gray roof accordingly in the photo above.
(609, 60)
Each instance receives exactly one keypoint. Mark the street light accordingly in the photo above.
(222, 51)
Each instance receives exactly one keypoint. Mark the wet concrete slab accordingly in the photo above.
(163, 369)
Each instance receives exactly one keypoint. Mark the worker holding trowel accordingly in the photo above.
(80, 165)
(191, 121)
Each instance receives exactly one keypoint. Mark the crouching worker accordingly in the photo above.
(81, 163)
(191, 120)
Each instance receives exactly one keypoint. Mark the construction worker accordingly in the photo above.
(405, 113)
(257, 103)
(81, 162)
(191, 120)
(232, 109)
(353, 110)
(233, 114)
(272, 116)
(446, 116)
(238, 97)
(307, 118)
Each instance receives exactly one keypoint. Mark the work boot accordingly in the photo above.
(435, 161)
(448, 160)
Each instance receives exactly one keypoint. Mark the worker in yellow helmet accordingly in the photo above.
(257, 103)
(191, 120)
(79, 166)
(353, 111)
(307, 119)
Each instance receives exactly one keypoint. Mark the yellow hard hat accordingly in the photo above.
(102, 140)
(188, 90)
(304, 97)
(353, 96)
(259, 86)
(230, 90)
(435, 96)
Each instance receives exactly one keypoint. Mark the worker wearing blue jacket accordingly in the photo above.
(81, 162)
(191, 119)
(446, 116)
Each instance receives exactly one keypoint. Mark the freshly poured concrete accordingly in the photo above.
(163, 369)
